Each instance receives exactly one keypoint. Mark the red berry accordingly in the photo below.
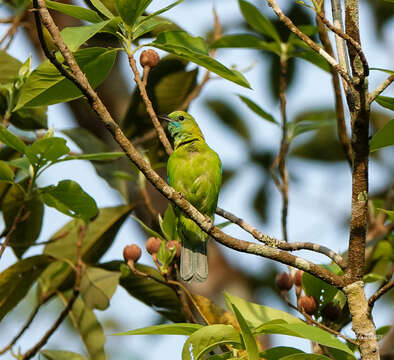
(298, 277)
(331, 311)
(284, 281)
(173, 243)
(308, 303)
(149, 58)
(153, 245)
(132, 252)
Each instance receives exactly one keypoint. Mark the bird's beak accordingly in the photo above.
(165, 117)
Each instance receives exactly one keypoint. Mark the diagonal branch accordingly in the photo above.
(380, 88)
(383, 290)
(205, 223)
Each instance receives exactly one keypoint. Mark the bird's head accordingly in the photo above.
(182, 127)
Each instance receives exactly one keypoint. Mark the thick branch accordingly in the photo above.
(205, 223)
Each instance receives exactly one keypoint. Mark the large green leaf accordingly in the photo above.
(160, 297)
(245, 41)
(194, 49)
(98, 286)
(74, 11)
(61, 355)
(16, 281)
(385, 101)
(258, 21)
(149, 25)
(45, 85)
(165, 329)
(46, 150)
(6, 173)
(384, 137)
(8, 138)
(9, 67)
(305, 357)
(130, 10)
(30, 118)
(27, 231)
(208, 338)
(89, 328)
(305, 331)
(102, 8)
(277, 353)
(70, 199)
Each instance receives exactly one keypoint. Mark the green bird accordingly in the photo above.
(194, 170)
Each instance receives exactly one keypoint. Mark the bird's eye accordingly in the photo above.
(181, 118)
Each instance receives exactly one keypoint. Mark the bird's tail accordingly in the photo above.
(194, 261)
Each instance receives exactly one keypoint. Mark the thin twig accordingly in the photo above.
(14, 225)
(339, 109)
(204, 222)
(149, 107)
(12, 30)
(294, 29)
(384, 289)
(270, 241)
(380, 89)
(197, 90)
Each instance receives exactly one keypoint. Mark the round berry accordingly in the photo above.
(308, 303)
(298, 277)
(284, 281)
(173, 243)
(132, 252)
(153, 245)
(149, 58)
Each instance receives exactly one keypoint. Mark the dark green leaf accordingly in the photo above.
(277, 353)
(46, 150)
(74, 11)
(45, 85)
(247, 336)
(6, 173)
(61, 355)
(70, 199)
(257, 109)
(194, 49)
(305, 357)
(165, 329)
(384, 137)
(208, 338)
(30, 118)
(8, 138)
(130, 10)
(102, 8)
(9, 67)
(16, 281)
(149, 25)
(245, 41)
(76, 36)
(98, 286)
(258, 21)
(27, 231)
(386, 101)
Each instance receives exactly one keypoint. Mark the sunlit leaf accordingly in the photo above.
(74, 11)
(384, 137)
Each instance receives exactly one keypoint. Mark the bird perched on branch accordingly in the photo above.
(194, 170)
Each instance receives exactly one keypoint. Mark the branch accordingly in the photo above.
(384, 289)
(380, 89)
(204, 222)
(286, 21)
(270, 241)
(341, 124)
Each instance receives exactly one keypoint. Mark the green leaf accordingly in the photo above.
(383, 330)
(148, 25)
(98, 286)
(372, 277)
(305, 357)
(277, 353)
(245, 41)
(130, 10)
(247, 336)
(102, 156)
(76, 36)
(9, 67)
(384, 137)
(165, 329)
(30, 118)
(159, 297)
(301, 127)
(386, 101)
(61, 355)
(45, 85)
(74, 11)
(207, 338)
(258, 21)
(70, 199)
(102, 8)
(6, 173)
(27, 231)
(141, 20)
(384, 70)
(150, 231)
(168, 224)
(255, 314)
(194, 49)
(8, 138)
(16, 281)
(46, 150)
(257, 109)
